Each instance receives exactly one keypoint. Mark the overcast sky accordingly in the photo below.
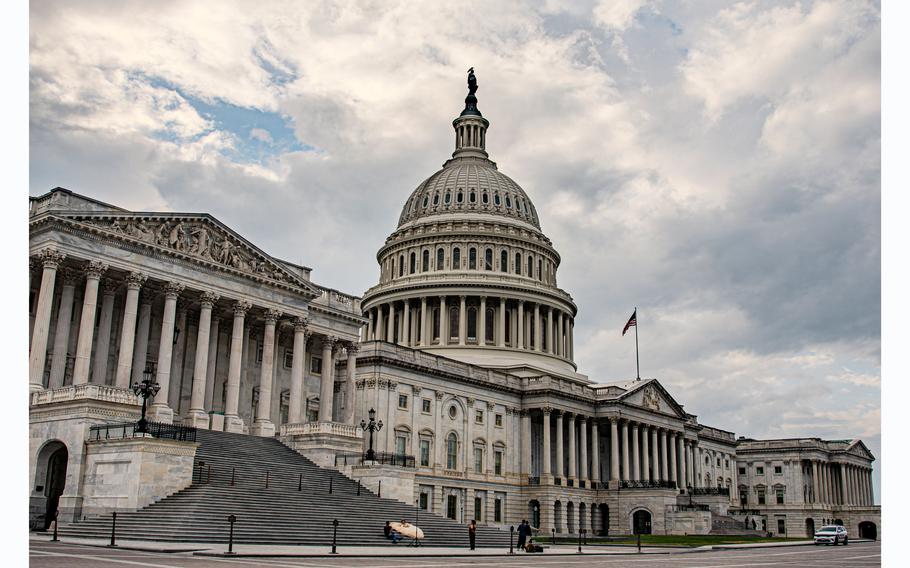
(716, 164)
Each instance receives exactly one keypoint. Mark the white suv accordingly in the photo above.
(831, 534)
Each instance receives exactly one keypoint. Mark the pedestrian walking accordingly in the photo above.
(522, 533)
(472, 532)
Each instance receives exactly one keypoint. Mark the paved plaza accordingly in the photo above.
(857, 555)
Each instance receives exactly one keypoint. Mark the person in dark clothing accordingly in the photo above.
(387, 529)
(472, 532)
(522, 533)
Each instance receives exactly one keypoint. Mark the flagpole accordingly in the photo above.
(637, 370)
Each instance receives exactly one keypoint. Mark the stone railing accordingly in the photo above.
(717, 434)
(483, 277)
(87, 391)
(332, 428)
(338, 300)
(452, 473)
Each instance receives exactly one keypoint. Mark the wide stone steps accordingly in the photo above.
(279, 514)
(725, 525)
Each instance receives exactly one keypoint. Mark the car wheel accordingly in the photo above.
(846, 541)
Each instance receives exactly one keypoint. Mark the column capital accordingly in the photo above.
(462, 297)
(483, 298)
(271, 316)
(301, 323)
(329, 342)
(521, 302)
(50, 257)
(547, 410)
(109, 287)
(95, 269)
(208, 299)
(70, 276)
(582, 418)
(440, 395)
(352, 348)
(241, 307)
(173, 289)
(614, 419)
(135, 280)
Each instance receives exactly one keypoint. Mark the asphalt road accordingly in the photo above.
(857, 555)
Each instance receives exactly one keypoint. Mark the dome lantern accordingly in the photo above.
(470, 126)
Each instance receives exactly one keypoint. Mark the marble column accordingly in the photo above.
(547, 464)
(551, 330)
(405, 338)
(60, 351)
(683, 477)
(134, 282)
(426, 323)
(571, 339)
(655, 455)
(443, 322)
(50, 259)
(93, 273)
(525, 444)
(214, 333)
(103, 343)
(626, 474)
(232, 420)
(672, 455)
(347, 415)
(327, 385)
(595, 451)
(379, 327)
(816, 495)
(462, 320)
(197, 416)
(583, 448)
(573, 450)
(390, 328)
(177, 354)
(636, 459)
(521, 324)
(560, 344)
(482, 323)
(664, 466)
(160, 410)
(614, 449)
(296, 394)
(844, 495)
(501, 330)
(263, 425)
(537, 333)
(560, 462)
(645, 454)
(143, 329)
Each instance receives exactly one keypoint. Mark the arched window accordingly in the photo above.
(453, 322)
(472, 197)
(413, 264)
(456, 258)
(544, 333)
(496, 200)
(435, 199)
(539, 269)
(472, 323)
(485, 198)
(435, 323)
(504, 261)
(488, 259)
(400, 265)
(426, 261)
(459, 198)
(472, 258)
(440, 259)
(508, 330)
(530, 267)
(426, 201)
(452, 451)
(448, 198)
(508, 202)
(517, 263)
(488, 332)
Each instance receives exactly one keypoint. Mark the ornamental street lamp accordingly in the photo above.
(147, 389)
(372, 426)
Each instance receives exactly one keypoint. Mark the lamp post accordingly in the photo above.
(372, 426)
(147, 389)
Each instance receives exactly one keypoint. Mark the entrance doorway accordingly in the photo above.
(810, 527)
(641, 522)
(604, 519)
(867, 529)
(452, 507)
(50, 479)
(534, 513)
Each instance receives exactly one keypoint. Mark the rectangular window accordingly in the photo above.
(401, 444)
(424, 501)
(761, 496)
(743, 496)
(497, 510)
(742, 471)
(403, 401)
(478, 508)
(782, 526)
(425, 406)
(478, 417)
(312, 415)
(478, 460)
(780, 496)
(718, 462)
(259, 353)
(288, 358)
(498, 420)
(497, 462)
(759, 470)
(425, 453)
(726, 464)
(778, 470)
(316, 365)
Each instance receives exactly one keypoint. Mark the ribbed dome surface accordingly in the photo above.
(471, 185)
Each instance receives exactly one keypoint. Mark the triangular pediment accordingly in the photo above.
(199, 237)
(858, 448)
(651, 395)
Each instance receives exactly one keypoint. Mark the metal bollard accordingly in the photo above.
(358, 487)
(554, 536)
(584, 536)
(233, 471)
(114, 528)
(380, 489)
(579, 541)
(56, 522)
(511, 535)
(300, 483)
(639, 542)
(231, 519)
(334, 536)
(330, 485)
(266, 479)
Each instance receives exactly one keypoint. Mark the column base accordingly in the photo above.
(161, 413)
(263, 428)
(233, 424)
(35, 387)
(196, 419)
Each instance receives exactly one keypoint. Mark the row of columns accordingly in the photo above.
(134, 339)
(527, 321)
(841, 484)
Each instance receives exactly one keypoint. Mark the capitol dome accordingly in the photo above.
(468, 273)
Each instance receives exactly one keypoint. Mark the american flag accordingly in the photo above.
(631, 322)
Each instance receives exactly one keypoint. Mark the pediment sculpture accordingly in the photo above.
(651, 398)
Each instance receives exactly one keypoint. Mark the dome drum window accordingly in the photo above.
(459, 197)
(472, 197)
(448, 198)
(496, 200)
(485, 198)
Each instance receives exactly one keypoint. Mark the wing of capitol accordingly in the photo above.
(464, 351)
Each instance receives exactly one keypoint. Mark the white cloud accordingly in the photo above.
(618, 15)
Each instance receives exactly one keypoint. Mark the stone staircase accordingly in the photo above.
(279, 514)
(726, 525)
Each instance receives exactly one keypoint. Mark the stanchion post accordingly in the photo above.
(114, 528)
(358, 487)
(579, 541)
(554, 536)
(639, 542)
(334, 536)
(511, 535)
(56, 522)
(231, 519)
(300, 483)
(330, 485)
(380, 489)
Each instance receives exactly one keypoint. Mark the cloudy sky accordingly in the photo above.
(716, 164)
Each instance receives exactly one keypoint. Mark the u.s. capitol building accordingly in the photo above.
(464, 349)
